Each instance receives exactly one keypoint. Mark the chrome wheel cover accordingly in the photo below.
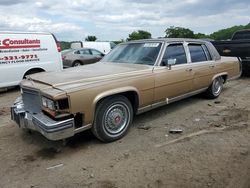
(77, 64)
(217, 86)
(116, 118)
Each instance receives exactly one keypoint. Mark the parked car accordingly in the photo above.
(81, 56)
(104, 47)
(238, 46)
(134, 77)
(24, 53)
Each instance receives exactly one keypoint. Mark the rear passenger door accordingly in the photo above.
(86, 56)
(202, 65)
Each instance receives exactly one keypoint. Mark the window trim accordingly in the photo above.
(207, 53)
(183, 43)
(201, 44)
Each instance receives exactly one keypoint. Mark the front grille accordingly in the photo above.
(31, 100)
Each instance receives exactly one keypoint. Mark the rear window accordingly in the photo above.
(241, 35)
(197, 53)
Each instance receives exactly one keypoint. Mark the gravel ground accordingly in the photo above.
(212, 151)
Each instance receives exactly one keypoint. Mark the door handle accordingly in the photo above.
(189, 69)
(212, 66)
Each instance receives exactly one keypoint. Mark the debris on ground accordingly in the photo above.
(144, 127)
(217, 102)
(56, 166)
(175, 130)
(197, 119)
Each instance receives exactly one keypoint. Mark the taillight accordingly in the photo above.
(63, 57)
(58, 46)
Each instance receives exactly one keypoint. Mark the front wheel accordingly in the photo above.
(113, 118)
(215, 88)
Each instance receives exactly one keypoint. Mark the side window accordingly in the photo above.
(85, 52)
(209, 57)
(175, 51)
(95, 52)
(77, 52)
(197, 53)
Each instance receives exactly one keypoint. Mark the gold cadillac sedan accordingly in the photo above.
(135, 77)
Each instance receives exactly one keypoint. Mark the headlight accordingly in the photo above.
(48, 103)
(56, 109)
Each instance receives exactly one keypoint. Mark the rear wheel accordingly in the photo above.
(113, 118)
(76, 64)
(215, 88)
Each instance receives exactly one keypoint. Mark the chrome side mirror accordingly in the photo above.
(170, 63)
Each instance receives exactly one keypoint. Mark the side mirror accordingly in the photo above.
(170, 63)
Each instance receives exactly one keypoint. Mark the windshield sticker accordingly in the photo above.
(151, 45)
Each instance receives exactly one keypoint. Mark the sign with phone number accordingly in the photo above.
(11, 58)
(32, 58)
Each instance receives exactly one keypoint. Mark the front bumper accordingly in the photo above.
(51, 129)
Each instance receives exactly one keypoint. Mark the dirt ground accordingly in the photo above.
(213, 150)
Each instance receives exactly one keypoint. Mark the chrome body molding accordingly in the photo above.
(168, 101)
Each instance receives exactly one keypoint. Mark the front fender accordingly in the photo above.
(111, 92)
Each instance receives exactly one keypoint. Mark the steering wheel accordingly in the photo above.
(147, 58)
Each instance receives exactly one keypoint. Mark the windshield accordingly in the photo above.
(134, 53)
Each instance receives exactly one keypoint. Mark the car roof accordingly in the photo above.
(24, 32)
(169, 40)
(85, 49)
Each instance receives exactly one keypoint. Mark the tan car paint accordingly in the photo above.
(203, 73)
(142, 85)
(86, 86)
(171, 83)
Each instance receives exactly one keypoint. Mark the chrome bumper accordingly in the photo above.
(51, 129)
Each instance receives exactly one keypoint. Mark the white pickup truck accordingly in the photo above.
(24, 53)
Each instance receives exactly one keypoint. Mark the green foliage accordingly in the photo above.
(64, 45)
(179, 32)
(118, 41)
(90, 38)
(140, 34)
(200, 36)
(173, 32)
(225, 34)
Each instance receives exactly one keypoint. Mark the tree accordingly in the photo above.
(90, 38)
(200, 36)
(64, 45)
(140, 34)
(179, 32)
(225, 34)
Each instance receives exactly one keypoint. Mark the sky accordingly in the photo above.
(73, 20)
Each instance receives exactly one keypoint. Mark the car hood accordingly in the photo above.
(89, 74)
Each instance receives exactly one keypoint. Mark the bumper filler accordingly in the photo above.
(51, 129)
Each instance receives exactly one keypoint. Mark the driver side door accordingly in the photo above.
(174, 82)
